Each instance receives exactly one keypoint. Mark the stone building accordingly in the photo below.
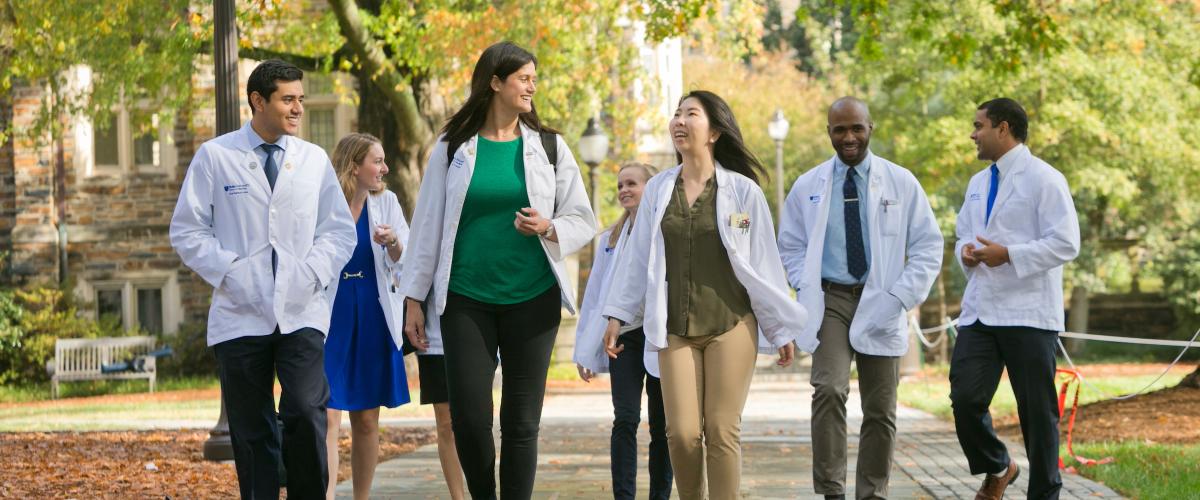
(120, 183)
(107, 231)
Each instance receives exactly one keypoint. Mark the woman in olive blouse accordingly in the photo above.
(702, 274)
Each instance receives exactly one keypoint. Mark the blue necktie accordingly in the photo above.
(272, 170)
(856, 257)
(270, 167)
(992, 188)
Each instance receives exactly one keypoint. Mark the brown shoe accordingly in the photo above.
(993, 486)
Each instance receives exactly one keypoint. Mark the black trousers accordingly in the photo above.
(981, 353)
(247, 367)
(523, 334)
(628, 372)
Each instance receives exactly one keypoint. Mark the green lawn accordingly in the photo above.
(41, 391)
(28, 408)
(1140, 470)
(931, 392)
(1145, 471)
(84, 416)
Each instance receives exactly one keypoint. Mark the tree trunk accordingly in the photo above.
(943, 349)
(405, 160)
(1078, 320)
(1192, 380)
(388, 104)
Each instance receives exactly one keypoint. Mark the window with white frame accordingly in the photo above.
(132, 138)
(127, 141)
(326, 114)
(150, 303)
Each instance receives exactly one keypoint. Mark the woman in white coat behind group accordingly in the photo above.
(634, 365)
(702, 274)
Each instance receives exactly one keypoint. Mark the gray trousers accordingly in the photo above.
(877, 380)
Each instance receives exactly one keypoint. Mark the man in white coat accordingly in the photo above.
(262, 219)
(860, 243)
(1019, 222)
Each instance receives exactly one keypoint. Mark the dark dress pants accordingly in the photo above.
(981, 353)
(523, 334)
(247, 367)
(627, 373)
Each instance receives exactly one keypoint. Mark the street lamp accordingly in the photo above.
(778, 129)
(218, 446)
(593, 149)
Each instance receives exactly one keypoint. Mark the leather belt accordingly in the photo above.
(855, 290)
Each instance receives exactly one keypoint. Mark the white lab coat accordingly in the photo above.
(384, 208)
(589, 332)
(906, 252)
(639, 293)
(227, 211)
(1034, 216)
(556, 192)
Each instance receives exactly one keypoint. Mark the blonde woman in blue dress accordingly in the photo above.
(363, 358)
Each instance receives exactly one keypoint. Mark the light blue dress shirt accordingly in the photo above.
(833, 257)
(260, 153)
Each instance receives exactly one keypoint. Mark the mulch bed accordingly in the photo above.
(1169, 416)
(141, 464)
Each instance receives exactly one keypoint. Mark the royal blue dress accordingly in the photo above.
(363, 364)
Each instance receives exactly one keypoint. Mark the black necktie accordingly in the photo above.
(856, 257)
(272, 170)
(270, 167)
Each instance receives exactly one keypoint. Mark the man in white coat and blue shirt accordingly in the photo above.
(860, 243)
(261, 217)
(1019, 222)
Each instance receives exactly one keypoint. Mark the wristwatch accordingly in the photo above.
(548, 232)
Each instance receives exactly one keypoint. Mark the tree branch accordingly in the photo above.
(306, 63)
(382, 73)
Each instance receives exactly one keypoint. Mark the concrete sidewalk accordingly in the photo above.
(776, 444)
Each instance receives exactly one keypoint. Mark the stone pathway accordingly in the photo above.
(574, 464)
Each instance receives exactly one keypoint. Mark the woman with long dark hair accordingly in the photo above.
(495, 217)
(702, 274)
(635, 366)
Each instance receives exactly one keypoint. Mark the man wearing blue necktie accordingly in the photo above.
(261, 217)
(859, 243)
(1019, 222)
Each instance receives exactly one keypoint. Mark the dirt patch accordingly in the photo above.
(141, 464)
(1165, 416)
(1169, 415)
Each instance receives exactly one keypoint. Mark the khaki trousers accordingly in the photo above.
(705, 381)
(877, 380)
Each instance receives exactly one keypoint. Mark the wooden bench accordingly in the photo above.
(81, 359)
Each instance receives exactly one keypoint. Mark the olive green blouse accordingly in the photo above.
(704, 297)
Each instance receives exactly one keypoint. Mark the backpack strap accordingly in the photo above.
(550, 144)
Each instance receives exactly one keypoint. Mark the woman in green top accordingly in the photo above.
(501, 205)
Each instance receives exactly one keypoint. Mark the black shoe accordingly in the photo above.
(835, 497)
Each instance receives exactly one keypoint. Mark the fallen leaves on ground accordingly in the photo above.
(141, 464)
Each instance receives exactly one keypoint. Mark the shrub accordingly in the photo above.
(30, 321)
(191, 353)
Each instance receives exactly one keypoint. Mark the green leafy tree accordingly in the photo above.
(1110, 88)
(412, 60)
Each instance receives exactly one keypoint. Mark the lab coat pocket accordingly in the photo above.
(1017, 217)
(1020, 295)
(892, 313)
(303, 291)
(239, 290)
(890, 221)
